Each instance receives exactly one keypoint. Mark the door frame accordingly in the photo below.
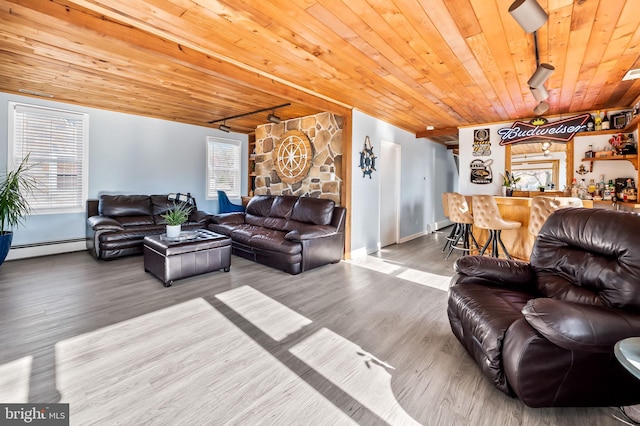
(397, 148)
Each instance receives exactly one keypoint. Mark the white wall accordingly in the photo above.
(466, 157)
(127, 154)
(427, 170)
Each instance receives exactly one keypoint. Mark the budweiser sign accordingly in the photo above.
(563, 130)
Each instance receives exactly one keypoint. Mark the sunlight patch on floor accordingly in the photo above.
(272, 318)
(14, 380)
(356, 372)
(186, 364)
(440, 282)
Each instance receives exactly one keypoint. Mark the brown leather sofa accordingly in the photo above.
(544, 331)
(117, 224)
(294, 234)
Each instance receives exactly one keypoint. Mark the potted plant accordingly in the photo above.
(175, 218)
(509, 183)
(14, 205)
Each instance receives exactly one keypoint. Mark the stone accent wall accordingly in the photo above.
(325, 176)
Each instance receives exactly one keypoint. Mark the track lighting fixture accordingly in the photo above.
(540, 93)
(272, 118)
(543, 72)
(541, 108)
(528, 14)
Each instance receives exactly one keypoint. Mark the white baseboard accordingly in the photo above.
(359, 253)
(414, 236)
(443, 224)
(16, 253)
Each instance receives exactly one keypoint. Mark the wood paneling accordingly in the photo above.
(445, 63)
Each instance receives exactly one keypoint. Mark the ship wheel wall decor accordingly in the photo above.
(292, 156)
(367, 159)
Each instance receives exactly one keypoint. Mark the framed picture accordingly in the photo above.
(619, 121)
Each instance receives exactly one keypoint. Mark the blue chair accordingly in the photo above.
(226, 206)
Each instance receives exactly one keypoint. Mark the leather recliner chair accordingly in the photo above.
(544, 331)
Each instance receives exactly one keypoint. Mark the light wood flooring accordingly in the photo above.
(360, 342)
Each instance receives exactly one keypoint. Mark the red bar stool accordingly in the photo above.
(486, 215)
(460, 214)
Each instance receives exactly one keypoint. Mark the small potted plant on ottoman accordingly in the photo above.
(175, 218)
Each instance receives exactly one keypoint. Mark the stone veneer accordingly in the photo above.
(325, 175)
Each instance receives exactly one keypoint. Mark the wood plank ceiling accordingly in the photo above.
(411, 63)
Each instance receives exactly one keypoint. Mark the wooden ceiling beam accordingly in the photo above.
(436, 133)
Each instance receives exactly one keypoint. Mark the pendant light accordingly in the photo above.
(541, 108)
(540, 93)
(528, 14)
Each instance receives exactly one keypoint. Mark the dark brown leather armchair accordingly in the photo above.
(544, 331)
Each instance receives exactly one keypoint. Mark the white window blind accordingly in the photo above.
(223, 167)
(56, 142)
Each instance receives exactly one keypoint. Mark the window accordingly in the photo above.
(223, 167)
(56, 142)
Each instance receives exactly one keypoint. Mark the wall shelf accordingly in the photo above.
(632, 158)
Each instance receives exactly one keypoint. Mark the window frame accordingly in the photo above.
(13, 160)
(211, 141)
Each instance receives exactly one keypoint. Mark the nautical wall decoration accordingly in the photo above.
(367, 159)
(481, 173)
(481, 143)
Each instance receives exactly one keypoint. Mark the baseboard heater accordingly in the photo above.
(22, 251)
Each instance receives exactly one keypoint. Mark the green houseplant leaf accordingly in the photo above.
(178, 214)
(14, 190)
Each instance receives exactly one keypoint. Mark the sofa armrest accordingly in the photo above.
(228, 218)
(310, 232)
(574, 326)
(104, 223)
(494, 271)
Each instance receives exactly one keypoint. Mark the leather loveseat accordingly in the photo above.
(544, 331)
(294, 234)
(117, 224)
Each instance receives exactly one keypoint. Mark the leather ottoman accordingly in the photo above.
(170, 260)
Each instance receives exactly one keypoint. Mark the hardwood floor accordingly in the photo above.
(359, 342)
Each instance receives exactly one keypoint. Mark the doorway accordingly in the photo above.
(390, 154)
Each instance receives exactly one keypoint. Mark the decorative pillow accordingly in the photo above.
(181, 198)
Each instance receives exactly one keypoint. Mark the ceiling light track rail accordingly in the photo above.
(223, 120)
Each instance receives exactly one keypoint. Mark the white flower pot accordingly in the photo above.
(173, 231)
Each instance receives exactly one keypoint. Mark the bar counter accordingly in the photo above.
(518, 242)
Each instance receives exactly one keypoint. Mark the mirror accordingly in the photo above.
(527, 161)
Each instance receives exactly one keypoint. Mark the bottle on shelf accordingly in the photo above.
(590, 124)
(597, 121)
(605, 122)
(574, 188)
(582, 189)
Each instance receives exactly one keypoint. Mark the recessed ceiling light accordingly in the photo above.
(430, 127)
(632, 74)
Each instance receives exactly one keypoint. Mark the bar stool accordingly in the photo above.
(454, 228)
(459, 214)
(486, 215)
(542, 207)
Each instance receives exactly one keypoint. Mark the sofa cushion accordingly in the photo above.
(260, 205)
(273, 240)
(125, 205)
(129, 221)
(318, 211)
(282, 206)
